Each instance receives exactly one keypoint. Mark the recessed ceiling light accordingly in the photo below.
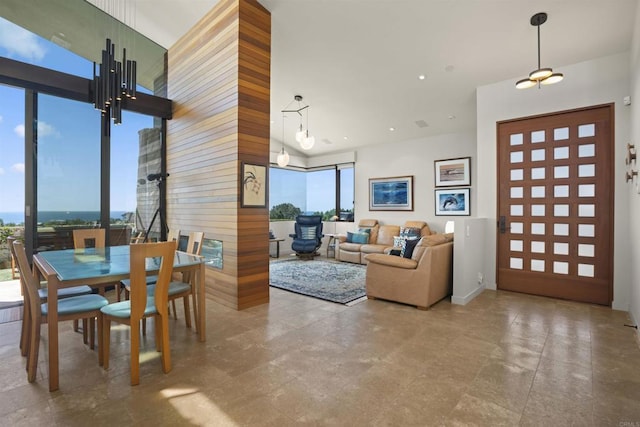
(422, 77)
(449, 68)
(345, 138)
(451, 117)
(392, 128)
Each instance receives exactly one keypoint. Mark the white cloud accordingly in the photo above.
(1, 171)
(44, 130)
(20, 42)
(18, 167)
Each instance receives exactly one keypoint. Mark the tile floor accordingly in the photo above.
(504, 359)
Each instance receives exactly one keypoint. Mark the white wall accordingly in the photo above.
(415, 158)
(631, 190)
(594, 82)
(469, 270)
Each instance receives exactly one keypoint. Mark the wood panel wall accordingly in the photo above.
(219, 81)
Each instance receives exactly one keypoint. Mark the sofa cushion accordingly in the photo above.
(385, 235)
(392, 261)
(408, 247)
(361, 238)
(424, 228)
(373, 249)
(350, 247)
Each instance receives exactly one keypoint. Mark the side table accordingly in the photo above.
(277, 241)
(331, 244)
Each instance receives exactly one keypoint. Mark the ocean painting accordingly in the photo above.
(391, 193)
(452, 202)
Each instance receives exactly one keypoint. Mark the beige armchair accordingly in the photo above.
(421, 280)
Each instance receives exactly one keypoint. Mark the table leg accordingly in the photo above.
(278, 249)
(202, 314)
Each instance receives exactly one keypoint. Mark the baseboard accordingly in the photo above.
(467, 298)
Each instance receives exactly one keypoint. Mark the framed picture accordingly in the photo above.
(253, 186)
(453, 172)
(391, 194)
(453, 201)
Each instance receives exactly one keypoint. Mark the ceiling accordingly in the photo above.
(356, 62)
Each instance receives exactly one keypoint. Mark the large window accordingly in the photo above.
(325, 191)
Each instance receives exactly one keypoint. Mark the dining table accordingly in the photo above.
(100, 266)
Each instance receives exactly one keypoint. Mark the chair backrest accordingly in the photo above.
(174, 234)
(308, 227)
(138, 237)
(195, 242)
(81, 236)
(162, 255)
(29, 283)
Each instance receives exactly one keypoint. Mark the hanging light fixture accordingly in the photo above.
(283, 156)
(305, 140)
(540, 76)
(113, 80)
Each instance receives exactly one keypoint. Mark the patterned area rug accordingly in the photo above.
(334, 281)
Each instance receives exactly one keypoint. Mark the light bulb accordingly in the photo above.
(308, 142)
(300, 135)
(283, 158)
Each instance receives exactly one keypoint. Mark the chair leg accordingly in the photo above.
(163, 325)
(118, 289)
(187, 312)
(76, 328)
(135, 352)
(92, 333)
(34, 347)
(144, 326)
(85, 335)
(158, 332)
(100, 340)
(106, 338)
(24, 331)
(195, 311)
(175, 313)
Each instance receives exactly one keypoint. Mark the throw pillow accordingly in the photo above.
(409, 232)
(408, 247)
(398, 241)
(308, 232)
(395, 252)
(362, 238)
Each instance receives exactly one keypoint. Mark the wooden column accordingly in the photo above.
(219, 80)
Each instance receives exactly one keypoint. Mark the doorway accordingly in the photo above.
(555, 205)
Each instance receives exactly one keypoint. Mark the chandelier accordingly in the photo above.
(305, 140)
(540, 76)
(113, 80)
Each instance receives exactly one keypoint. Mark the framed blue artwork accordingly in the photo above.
(391, 194)
(454, 201)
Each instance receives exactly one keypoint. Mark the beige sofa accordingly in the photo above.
(380, 240)
(422, 280)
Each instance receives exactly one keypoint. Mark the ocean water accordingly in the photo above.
(62, 216)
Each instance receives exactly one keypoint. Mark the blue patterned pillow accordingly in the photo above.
(409, 232)
(361, 238)
(308, 232)
(408, 246)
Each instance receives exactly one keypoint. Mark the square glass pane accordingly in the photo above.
(561, 229)
(516, 245)
(561, 172)
(586, 270)
(585, 171)
(588, 211)
(537, 191)
(587, 150)
(517, 157)
(537, 173)
(561, 248)
(560, 153)
(537, 155)
(517, 228)
(585, 131)
(517, 192)
(560, 134)
(517, 174)
(560, 210)
(537, 136)
(586, 190)
(560, 267)
(537, 265)
(561, 191)
(517, 210)
(516, 139)
(537, 228)
(515, 263)
(586, 250)
(537, 210)
(586, 230)
(537, 247)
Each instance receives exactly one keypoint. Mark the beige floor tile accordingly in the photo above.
(472, 411)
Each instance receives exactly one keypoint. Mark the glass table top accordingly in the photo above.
(73, 264)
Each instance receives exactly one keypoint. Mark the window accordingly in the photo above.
(323, 191)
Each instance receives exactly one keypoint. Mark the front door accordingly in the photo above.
(555, 205)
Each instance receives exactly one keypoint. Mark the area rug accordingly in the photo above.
(334, 281)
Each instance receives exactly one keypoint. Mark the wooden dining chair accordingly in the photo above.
(88, 238)
(43, 294)
(72, 308)
(140, 306)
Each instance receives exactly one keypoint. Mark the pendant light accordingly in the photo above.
(540, 76)
(283, 156)
(305, 140)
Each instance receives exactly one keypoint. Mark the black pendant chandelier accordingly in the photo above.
(113, 80)
(540, 76)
